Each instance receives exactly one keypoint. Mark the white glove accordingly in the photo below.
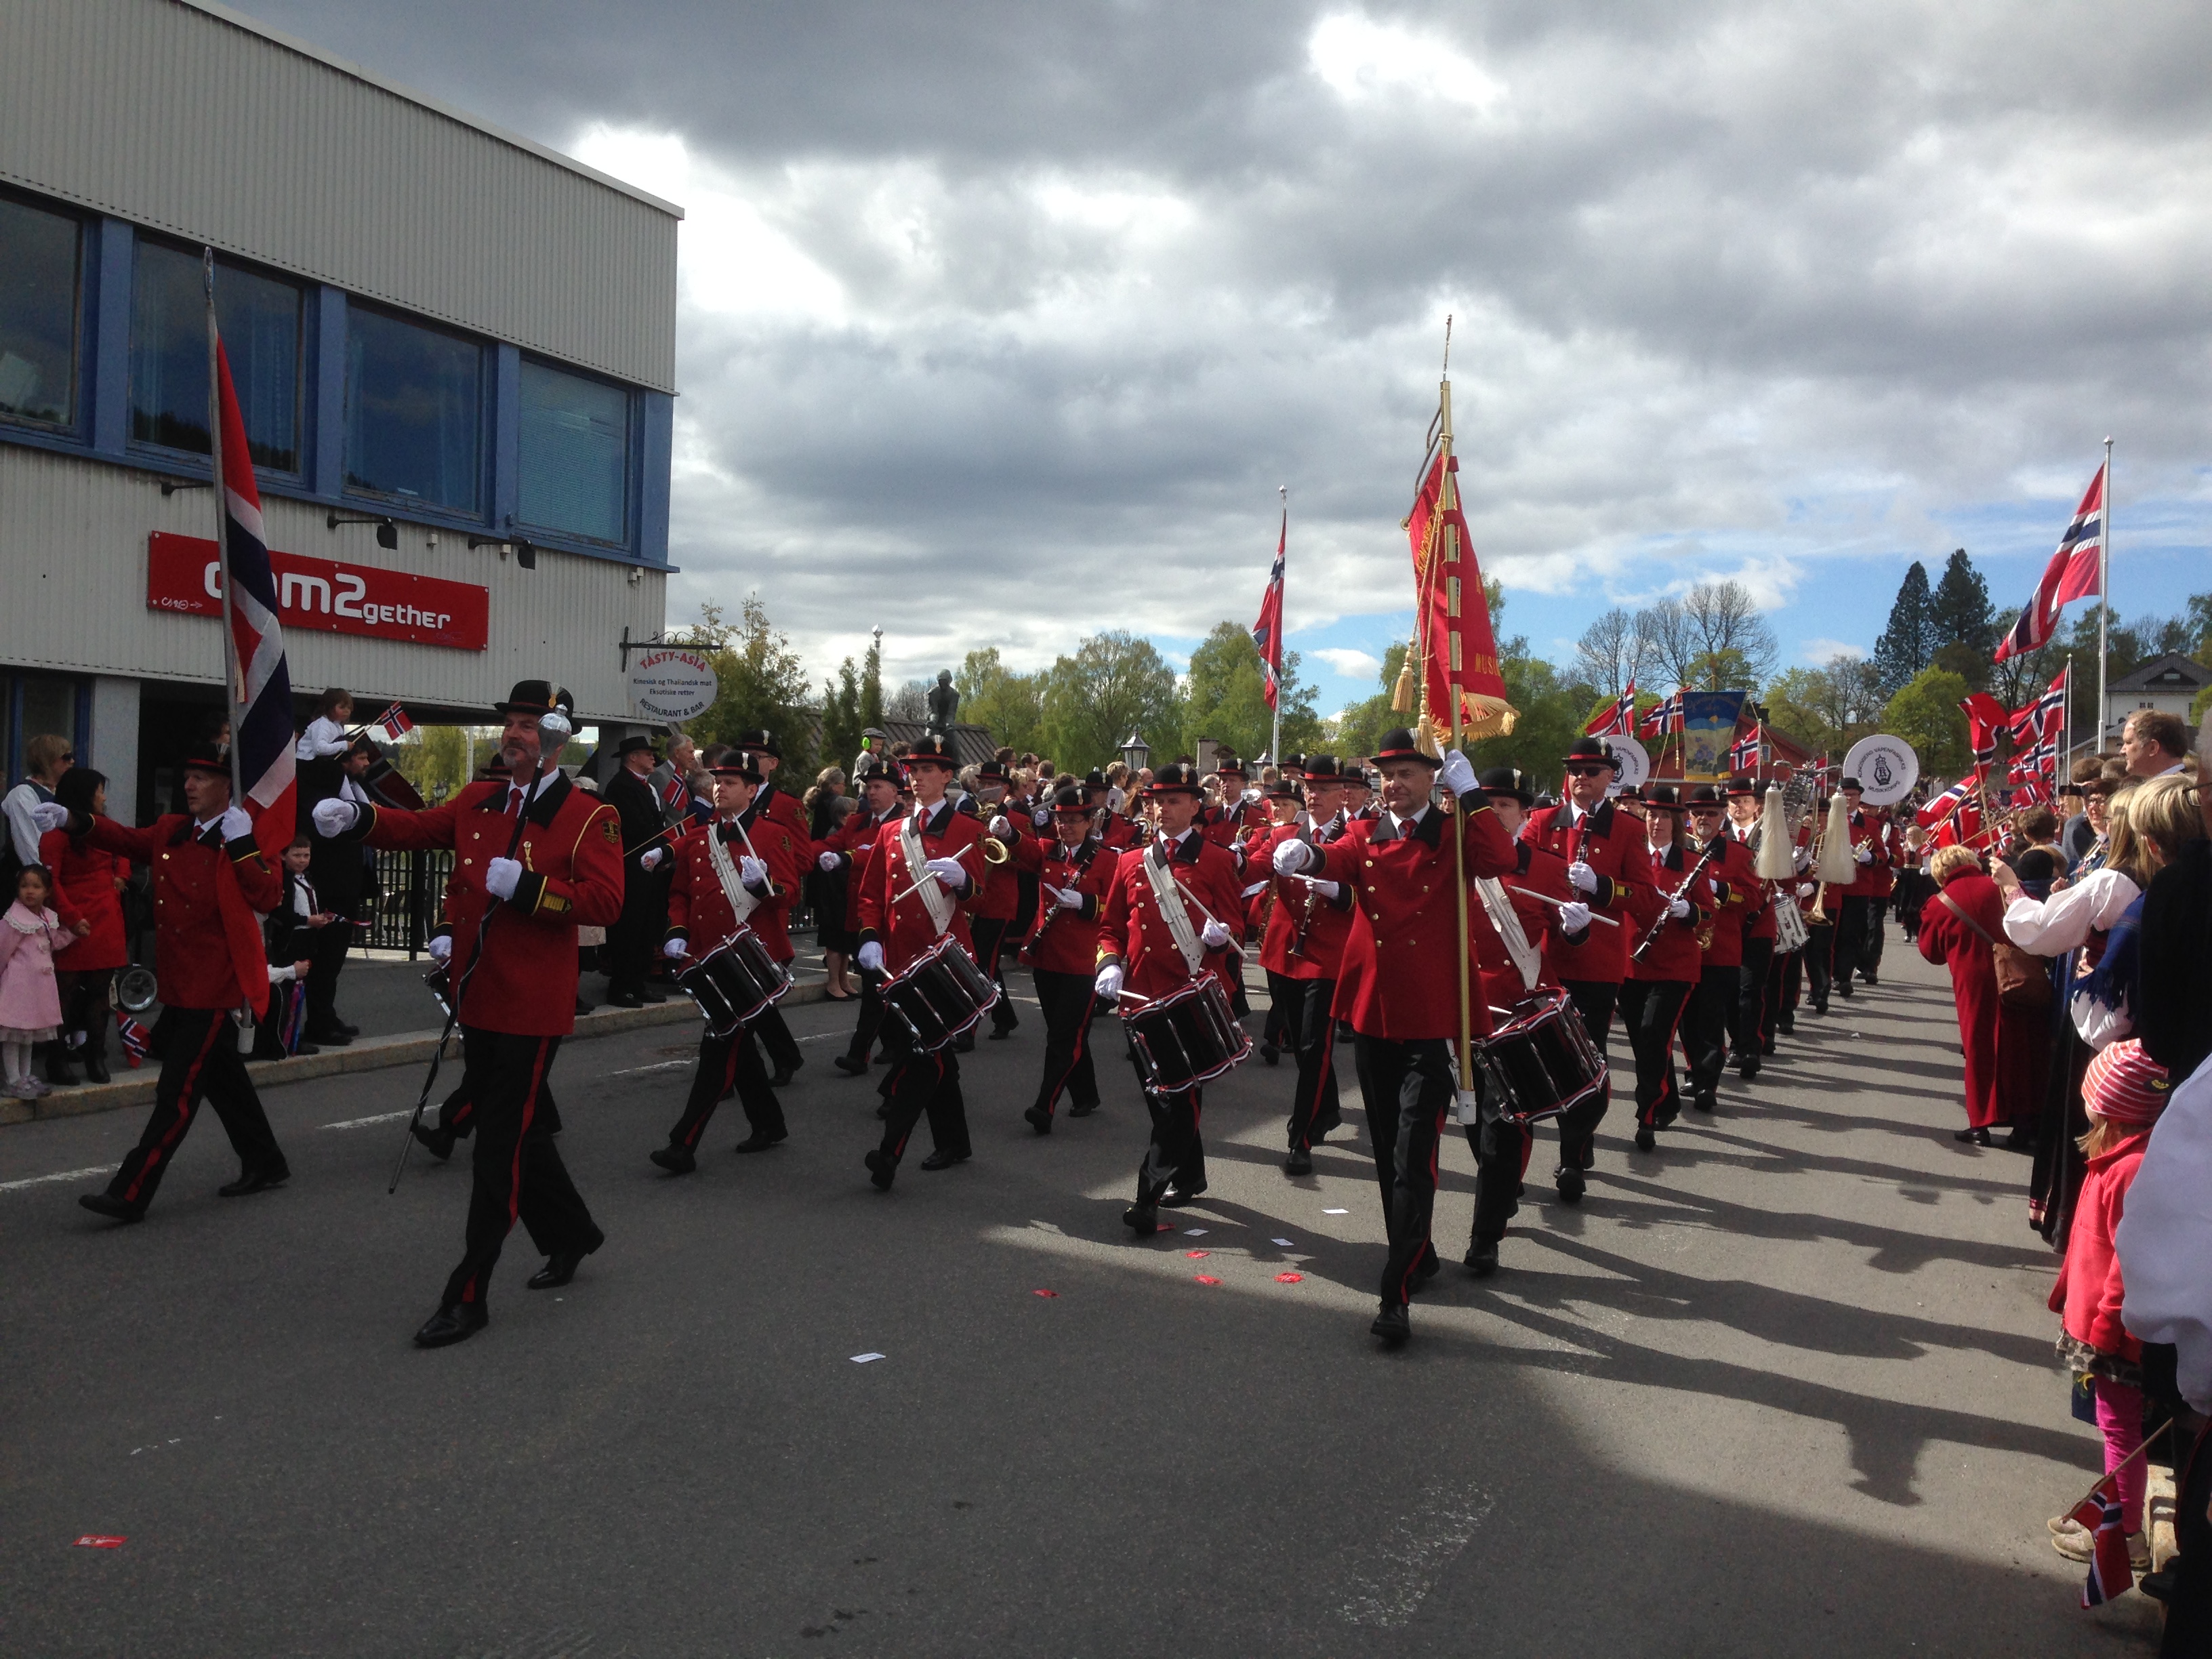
(49, 815)
(1000, 828)
(828, 863)
(1213, 935)
(1678, 907)
(651, 856)
(871, 957)
(752, 872)
(1574, 918)
(1042, 818)
(1108, 982)
(1291, 856)
(676, 950)
(951, 872)
(236, 821)
(335, 817)
(1458, 774)
(1066, 898)
(1864, 854)
(1583, 875)
(441, 948)
(501, 877)
(1805, 888)
(1252, 795)
(1327, 889)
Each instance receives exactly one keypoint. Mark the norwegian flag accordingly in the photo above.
(675, 793)
(1662, 717)
(1745, 755)
(1267, 632)
(393, 723)
(2110, 1573)
(261, 694)
(137, 1041)
(2071, 574)
(1943, 806)
(1617, 719)
(1985, 717)
(2041, 720)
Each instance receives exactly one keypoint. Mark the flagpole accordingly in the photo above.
(2104, 593)
(231, 699)
(1447, 503)
(1282, 540)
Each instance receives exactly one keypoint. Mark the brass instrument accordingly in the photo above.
(1833, 863)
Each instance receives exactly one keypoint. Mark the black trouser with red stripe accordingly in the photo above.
(1751, 1025)
(775, 1036)
(1309, 1031)
(1819, 955)
(1705, 1023)
(990, 934)
(1651, 1009)
(868, 1022)
(1175, 1156)
(922, 1083)
(517, 1170)
(725, 1063)
(1595, 1000)
(457, 1112)
(1065, 1000)
(1408, 1086)
(200, 1060)
(1501, 1148)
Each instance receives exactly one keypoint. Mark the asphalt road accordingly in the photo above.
(1784, 1387)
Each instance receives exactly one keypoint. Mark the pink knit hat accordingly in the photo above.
(2125, 1084)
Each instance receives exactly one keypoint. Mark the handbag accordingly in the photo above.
(2023, 977)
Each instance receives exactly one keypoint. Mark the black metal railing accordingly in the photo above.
(410, 888)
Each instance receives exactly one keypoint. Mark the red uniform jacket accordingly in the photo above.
(1758, 905)
(1399, 977)
(1944, 938)
(1121, 833)
(1737, 894)
(855, 842)
(1538, 871)
(1066, 941)
(778, 804)
(84, 890)
(1134, 930)
(999, 891)
(1224, 825)
(1870, 830)
(784, 852)
(1612, 844)
(1674, 954)
(192, 956)
(699, 911)
(572, 860)
(901, 924)
(1326, 922)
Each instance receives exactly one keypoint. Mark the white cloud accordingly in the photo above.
(1364, 62)
(1821, 653)
(1348, 662)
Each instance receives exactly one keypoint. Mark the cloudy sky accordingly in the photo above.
(1002, 323)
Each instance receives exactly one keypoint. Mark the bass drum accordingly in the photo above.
(1540, 1060)
(1187, 1037)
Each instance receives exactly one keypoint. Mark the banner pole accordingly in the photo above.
(1447, 503)
(231, 688)
(1275, 738)
(2104, 595)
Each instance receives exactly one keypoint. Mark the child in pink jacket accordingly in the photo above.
(2124, 1091)
(30, 1002)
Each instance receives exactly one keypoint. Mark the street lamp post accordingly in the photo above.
(1135, 752)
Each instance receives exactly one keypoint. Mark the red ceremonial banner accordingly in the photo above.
(1454, 613)
(183, 576)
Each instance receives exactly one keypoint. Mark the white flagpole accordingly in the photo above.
(231, 687)
(1275, 741)
(2104, 593)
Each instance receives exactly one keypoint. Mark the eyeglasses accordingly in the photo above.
(1588, 771)
(68, 754)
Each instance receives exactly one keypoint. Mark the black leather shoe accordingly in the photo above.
(58, 1072)
(559, 1267)
(850, 1065)
(1787, 1027)
(330, 1038)
(625, 1000)
(965, 1043)
(653, 994)
(1078, 1108)
(1972, 1137)
(941, 1159)
(256, 1179)
(347, 1026)
(439, 1143)
(881, 1169)
(95, 1068)
(1704, 1102)
(450, 1325)
(1141, 1218)
(1430, 1265)
(1868, 979)
(1645, 1140)
(305, 1049)
(114, 1208)
(1000, 1033)
(1299, 1162)
(676, 1160)
(1270, 1053)
(1393, 1325)
(781, 1079)
(1039, 1119)
(1177, 1197)
(1569, 1180)
(1481, 1257)
(1844, 989)
(759, 1142)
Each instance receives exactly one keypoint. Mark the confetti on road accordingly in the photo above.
(98, 1541)
(1336, 1213)
(1285, 1243)
(1194, 1232)
(863, 1359)
(1206, 1278)
(1198, 1256)
(1044, 1293)
(1290, 1279)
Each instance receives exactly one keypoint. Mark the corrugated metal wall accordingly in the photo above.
(160, 113)
(73, 596)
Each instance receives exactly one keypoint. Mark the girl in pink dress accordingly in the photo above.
(30, 1003)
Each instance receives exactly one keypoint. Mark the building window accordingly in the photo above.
(41, 704)
(40, 254)
(414, 412)
(259, 317)
(575, 466)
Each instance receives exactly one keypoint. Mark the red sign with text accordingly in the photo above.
(182, 576)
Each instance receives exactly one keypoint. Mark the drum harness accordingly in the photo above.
(934, 899)
(1176, 913)
(742, 900)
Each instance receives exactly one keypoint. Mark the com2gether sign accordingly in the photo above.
(182, 576)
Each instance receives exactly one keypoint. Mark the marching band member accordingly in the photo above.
(1857, 948)
(1751, 1024)
(1399, 985)
(999, 896)
(1360, 795)
(1512, 926)
(1073, 872)
(1302, 951)
(852, 847)
(919, 886)
(1161, 928)
(784, 810)
(1818, 900)
(1657, 988)
(738, 871)
(520, 1001)
(1608, 862)
(1711, 1012)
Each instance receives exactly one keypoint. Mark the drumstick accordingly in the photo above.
(749, 853)
(915, 886)
(1557, 904)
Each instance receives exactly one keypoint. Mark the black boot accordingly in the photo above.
(58, 1066)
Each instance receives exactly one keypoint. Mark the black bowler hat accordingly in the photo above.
(1282, 789)
(1177, 777)
(1664, 797)
(1740, 786)
(1398, 744)
(991, 771)
(1320, 768)
(1226, 764)
(1094, 781)
(1705, 795)
(1850, 787)
(211, 762)
(1508, 780)
(632, 744)
(927, 750)
(536, 697)
(760, 742)
(1584, 751)
(1068, 803)
(872, 765)
(737, 764)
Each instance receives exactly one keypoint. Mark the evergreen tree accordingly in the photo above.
(871, 686)
(1909, 642)
(1961, 614)
(840, 715)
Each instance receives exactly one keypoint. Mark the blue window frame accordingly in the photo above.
(41, 282)
(259, 317)
(573, 474)
(414, 412)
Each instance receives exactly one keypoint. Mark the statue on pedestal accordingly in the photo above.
(944, 704)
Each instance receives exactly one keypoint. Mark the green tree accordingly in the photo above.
(761, 684)
(436, 759)
(1960, 613)
(1113, 685)
(1925, 713)
(1011, 705)
(871, 686)
(840, 715)
(1225, 698)
(1909, 641)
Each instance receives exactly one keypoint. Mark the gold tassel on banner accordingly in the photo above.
(1402, 699)
(1428, 739)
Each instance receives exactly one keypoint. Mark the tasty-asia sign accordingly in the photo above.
(183, 576)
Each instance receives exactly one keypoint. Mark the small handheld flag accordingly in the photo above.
(2110, 1573)
(393, 723)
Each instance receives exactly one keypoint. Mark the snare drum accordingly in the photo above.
(734, 981)
(1540, 1060)
(1188, 1038)
(939, 996)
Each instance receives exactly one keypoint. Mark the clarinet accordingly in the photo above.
(1712, 848)
(1332, 829)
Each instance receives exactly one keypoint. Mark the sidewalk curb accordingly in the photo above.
(362, 1054)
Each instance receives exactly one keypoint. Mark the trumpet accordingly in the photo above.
(994, 851)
